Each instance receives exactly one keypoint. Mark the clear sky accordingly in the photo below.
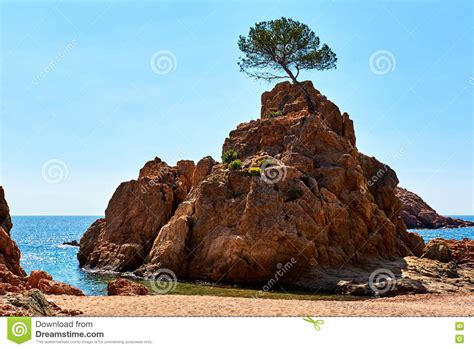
(82, 109)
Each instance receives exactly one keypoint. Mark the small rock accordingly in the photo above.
(351, 288)
(437, 250)
(44, 282)
(124, 287)
(405, 286)
(33, 301)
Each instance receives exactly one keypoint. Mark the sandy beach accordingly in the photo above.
(177, 305)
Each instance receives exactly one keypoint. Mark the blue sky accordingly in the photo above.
(78, 93)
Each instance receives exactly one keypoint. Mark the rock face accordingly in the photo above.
(124, 287)
(303, 198)
(286, 99)
(12, 277)
(418, 214)
(9, 252)
(135, 214)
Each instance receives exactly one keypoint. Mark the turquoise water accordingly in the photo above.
(41, 238)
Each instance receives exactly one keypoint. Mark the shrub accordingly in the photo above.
(235, 165)
(266, 162)
(273, 114)
(294, 194)
(254, 171)
(229, 156)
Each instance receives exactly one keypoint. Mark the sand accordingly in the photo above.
(178, 305)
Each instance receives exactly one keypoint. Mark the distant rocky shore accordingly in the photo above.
(418, 214)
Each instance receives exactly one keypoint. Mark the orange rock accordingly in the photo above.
(135, 214)
(238, 228)
(461, 251)
(203, 169)
(9, 252)
(49, 286)
(35, 277)
(319, 203)
(124, 287)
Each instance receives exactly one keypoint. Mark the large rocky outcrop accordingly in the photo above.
(303, 198)
(418, 214)
(13, 278)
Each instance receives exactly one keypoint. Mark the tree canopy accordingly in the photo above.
(280, 49)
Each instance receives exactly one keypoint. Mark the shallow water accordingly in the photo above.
(41, 239)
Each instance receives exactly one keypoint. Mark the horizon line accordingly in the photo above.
(103, 215)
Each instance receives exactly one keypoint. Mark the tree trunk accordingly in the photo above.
(307, 96)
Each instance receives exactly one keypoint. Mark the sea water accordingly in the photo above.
(41, 241)
(452, 233)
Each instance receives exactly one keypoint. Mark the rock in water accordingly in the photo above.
(124, 287)
(74, 243)
(418, 214)
(304, 197)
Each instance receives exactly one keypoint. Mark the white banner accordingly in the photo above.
(242, 333)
